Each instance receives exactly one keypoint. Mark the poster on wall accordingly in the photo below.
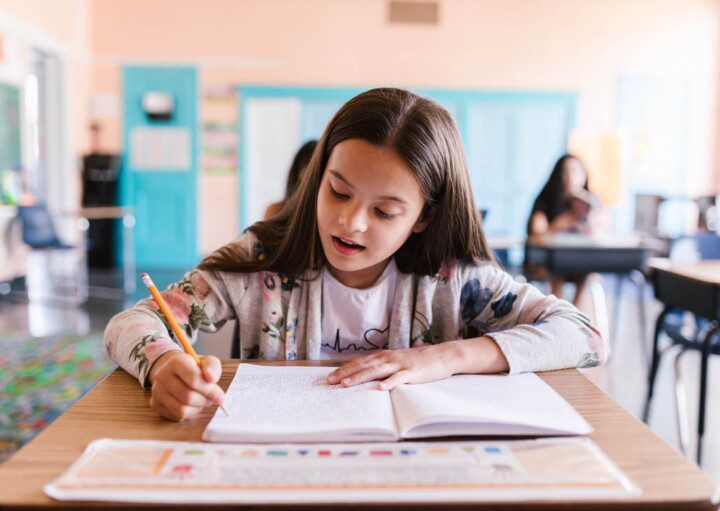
(160, 149)
(10, 157)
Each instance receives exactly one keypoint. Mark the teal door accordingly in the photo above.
(512, 140)
(160, 170)
(512, 146)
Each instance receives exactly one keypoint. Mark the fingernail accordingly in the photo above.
(346, 381)
(331, 379)
(381, 386)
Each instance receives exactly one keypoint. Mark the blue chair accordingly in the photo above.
(38, 232)
(687, 335)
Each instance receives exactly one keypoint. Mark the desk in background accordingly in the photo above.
(125, 214)
(572, 255)
(695, 288)
(118, 408)
(13, 252)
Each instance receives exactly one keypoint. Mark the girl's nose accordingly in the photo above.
(353, 219)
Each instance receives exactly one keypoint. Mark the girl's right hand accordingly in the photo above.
(180, 390)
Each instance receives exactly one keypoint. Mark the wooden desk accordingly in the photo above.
(692, 287)
(117, 408)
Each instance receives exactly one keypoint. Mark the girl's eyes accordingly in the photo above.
(382, 214)
(379, 212)
(338, 194)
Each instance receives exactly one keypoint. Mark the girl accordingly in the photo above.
(379, 257)
(565, 204)
(300, 161)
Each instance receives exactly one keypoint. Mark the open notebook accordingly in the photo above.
(296, 404)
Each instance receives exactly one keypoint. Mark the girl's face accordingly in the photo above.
(573, 175)
(369, 203)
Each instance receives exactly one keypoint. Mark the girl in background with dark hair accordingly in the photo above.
(378, 258)
(565, 204)
(300, 161)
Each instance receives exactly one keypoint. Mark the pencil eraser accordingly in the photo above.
(146, 279)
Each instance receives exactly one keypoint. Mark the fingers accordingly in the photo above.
(187, 370)
(180, 390)
(404, 376)
(185, 395)
(353, 367)
(211, 368)
(170, 408)
(374, 372)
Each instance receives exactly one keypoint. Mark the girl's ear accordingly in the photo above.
(424, 221)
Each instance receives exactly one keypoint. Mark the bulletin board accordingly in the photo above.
(9, 127)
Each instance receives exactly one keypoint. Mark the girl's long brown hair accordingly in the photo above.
(426, 137)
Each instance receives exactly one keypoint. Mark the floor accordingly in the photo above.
(624, 378)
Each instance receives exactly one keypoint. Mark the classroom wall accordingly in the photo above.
(60, 28)
(498, 44)
(585, 46)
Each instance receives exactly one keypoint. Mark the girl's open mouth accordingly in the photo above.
(346, 247)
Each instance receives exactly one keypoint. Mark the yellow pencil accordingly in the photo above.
(174, 325)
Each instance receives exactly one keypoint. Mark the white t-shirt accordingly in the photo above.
(356, 322)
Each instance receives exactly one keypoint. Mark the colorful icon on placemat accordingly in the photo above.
(303, 452)
(438, 451)
(380, 453)
(407, 452)
(349, 453)
(277, 453)
(492, 450)
(249, 453)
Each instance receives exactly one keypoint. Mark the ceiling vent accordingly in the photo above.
(426, 13)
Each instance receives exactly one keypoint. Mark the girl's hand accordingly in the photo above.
(423, 364)
(179, 389)
(564, 222)
(413, 365)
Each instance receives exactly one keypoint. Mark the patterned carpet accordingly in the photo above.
(40, 378)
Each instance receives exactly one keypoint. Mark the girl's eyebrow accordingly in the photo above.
(382, 197)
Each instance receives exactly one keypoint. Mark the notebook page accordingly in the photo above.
(521, 404)
(296, 404)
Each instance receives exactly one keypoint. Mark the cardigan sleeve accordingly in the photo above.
(201, 300)
(535, 332)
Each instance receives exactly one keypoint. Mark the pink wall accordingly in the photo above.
(58, 19)
(59, 27)
(581, 46)
(573, 45)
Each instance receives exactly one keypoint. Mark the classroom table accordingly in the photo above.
(693, 287)
(13, 252)
(118, 408)
(576, 254)
(573, 255)
(83, 217)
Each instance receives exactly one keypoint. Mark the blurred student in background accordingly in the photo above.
(566, 205)
(301, 160)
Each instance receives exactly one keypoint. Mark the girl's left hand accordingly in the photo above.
(412, 365)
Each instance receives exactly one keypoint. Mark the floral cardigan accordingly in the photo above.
(280, 317)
